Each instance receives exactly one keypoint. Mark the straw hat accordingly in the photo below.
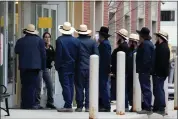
(83, 30)
(123, 33)
(134, 37)
(30, 29)
(66, 28)
(162, 34)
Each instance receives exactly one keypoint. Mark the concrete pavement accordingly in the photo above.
(53, 114)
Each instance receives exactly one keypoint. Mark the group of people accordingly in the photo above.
(71, 58)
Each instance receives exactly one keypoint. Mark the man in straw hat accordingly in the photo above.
(122, 45)
(87, 47)
(133, 43)
(66, 62)
(32, 59)
(144, 67)
(161, 71)
(104, 69)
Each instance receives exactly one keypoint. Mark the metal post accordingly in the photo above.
(166, 94)
(120, 104)
(93, 87)
(136, 89)
(175, 86)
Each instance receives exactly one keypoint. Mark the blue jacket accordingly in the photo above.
(105, 57)
(67, 53)
(87, 47)
(145, 57)
(31, 51)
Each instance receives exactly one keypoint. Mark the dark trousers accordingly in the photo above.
(81, 83)
(114, 88)
(159, 94)
(104, 96)
(67, 82)
(29, 80)
(145, 84)
(130, 88)
(45, 75)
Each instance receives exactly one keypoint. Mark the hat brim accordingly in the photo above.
(31, 32)
(133, 39)
(66, 32)
(84, 33)
(139, 32)
(158, 34)
(104, 34)
(122, 35)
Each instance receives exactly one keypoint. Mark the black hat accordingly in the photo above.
(144, 32)
(104, 31)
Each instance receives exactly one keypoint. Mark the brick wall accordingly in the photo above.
(87, 13)
(120, 15)
(147, 14)
(133, 16)
(159, 15)
(106, 14)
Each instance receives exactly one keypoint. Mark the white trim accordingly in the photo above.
(83, 11)
(102, 12)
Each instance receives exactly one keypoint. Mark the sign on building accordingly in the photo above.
(45, 22)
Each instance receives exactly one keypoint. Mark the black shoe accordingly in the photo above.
(65, 110)
(149, 112)
(48, 105)
(104, 110)
(78, 110)
(86, 109)
(163, 113)
(37, 107)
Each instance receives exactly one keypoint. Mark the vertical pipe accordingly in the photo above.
(120, 104)
(136, 88)
(166, 94)
(93, 87)
(175, 86)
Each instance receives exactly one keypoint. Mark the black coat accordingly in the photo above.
(145, 57)
(162, 57)
(50, 54)
(122, 47)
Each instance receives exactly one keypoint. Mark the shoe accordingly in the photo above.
(104, 110)
(37, 107)
(86, 109)
(163, 113)
(49, 105)
(65, 110)
(145, 112)
(78, 110)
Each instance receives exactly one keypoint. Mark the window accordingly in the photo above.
(167, 15)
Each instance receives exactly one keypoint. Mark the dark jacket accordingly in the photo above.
(105, 57)
(50, 54)
(145, 57)
(130, 61)
(122, 47)
(87, 47)
(31, 51)
(162, 56)
(67, 53)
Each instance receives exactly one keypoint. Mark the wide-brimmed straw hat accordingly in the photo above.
(104, 31)
(134, 37)
(66, 28)
(144, 32)
(162, 34)
(123, 33)
(30, 29)
(83, 30)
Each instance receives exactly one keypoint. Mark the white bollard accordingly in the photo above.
(137, 99)
(166, 94)
(93, 87)
(175, 86)
(120, 104)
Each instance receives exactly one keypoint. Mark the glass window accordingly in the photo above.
(167, 15)
(53, 30)
(46, 14)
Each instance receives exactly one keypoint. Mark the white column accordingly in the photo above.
(175, 85)
(120, 104)
(93, 87)
(166, 94)
(137, 100)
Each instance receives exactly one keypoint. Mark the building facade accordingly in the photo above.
(17, 15)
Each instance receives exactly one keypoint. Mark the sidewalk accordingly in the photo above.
(53, 114)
